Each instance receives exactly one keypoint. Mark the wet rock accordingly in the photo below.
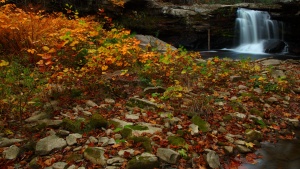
(274, 46)
(157, 89)
(168, 155)
(243, 149)
(59, 165)
(47, 144)
(95, 155)
(143, 161)
(86, 113)
(212, 159)
(252, 135)
(4, 142)
(11, 152)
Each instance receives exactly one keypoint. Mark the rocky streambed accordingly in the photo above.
(139, 131)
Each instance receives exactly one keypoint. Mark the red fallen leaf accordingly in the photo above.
(251, 158)
(127, 154)
(275, 127)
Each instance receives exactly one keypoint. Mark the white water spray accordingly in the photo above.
(255, 28)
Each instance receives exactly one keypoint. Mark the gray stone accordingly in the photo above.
(243, 149)
(11, 152)
(242, 87)
(95, 155)
(90, 103)
(132, 116)
(239, 115)
(168, 155)
(151, 129)
(111, 141)
(276, 74)
(63, 132)
(103, 141)
(239, 142)
(5, 142)
(257, 90)
(121, 123)
(272, 99)
(109, 101)
(72, 138)
(194, 129)
(59, 165)
(143, 161)
(47, 144)
(130, 151)
(34, 163)
(87, 113)
(157, 89)
(212, 159)
(228, 149)
(38, 116)
(253, 135)
(52, 123)
(118, 136)
(230, 139)
(93, 139)
(147, 40)
(114, 160)
(144, 102)
(72, 166)
(271, 62)
(296, 90)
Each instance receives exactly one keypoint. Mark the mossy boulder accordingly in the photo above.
(95, 155)
(252, 135)
(126, 132)
(227, 117)
(72, 125)
(97, 121)
(177, 141)
(146, 142)
(144, 161)
(203, 125)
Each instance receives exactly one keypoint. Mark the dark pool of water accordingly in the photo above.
(253, 56)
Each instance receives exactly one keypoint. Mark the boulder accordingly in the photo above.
(168, 155)
(47, 144)
(4, 142)
(11, 153)
(144, 161)
(253, 135)
(212, 159)
(274, 46)
(95, 155)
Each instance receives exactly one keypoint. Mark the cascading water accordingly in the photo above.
(258, 33)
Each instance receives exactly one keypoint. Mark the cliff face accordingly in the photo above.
(189, 25)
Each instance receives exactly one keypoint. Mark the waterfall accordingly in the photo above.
(258, 33)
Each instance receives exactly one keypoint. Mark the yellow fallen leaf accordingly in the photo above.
(250, 144)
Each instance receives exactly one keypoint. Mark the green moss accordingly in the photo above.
(146, 142)
(72, 125)
(126, 132)
(180, 132)
(97, 121)
(256, 112)
(73, 157)
(227, 117)
(203, 125)
(176, 141)
(136, 127)
(142, 162)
